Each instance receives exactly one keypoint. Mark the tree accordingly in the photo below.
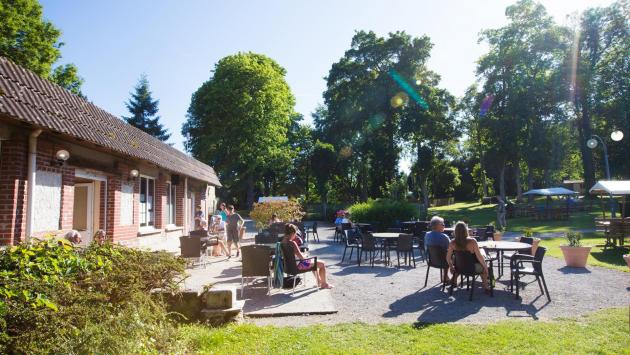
(144, 110)
(238, 121)
(32, 42)
(323, 163)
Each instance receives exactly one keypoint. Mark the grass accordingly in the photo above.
(477, 214)
(603, 332)
(611, 258)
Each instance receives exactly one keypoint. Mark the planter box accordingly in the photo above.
(575, 256)
(627, 259)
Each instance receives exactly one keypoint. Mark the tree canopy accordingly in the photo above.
(238, 122)
(143, 109)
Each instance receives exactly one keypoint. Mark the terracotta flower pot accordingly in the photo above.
(627, 259)
(575, 256)
(497, 236)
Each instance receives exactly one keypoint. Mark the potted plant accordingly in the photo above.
(498, 232)
(575, 255)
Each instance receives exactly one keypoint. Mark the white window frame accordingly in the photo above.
(172, 207)
(148, 215)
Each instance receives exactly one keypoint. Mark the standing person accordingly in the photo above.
(501, 211)
(222, 212)
(234, 224)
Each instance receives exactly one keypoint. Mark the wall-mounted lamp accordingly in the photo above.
(134, 173)
(61, 157)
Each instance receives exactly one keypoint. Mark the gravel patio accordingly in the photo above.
(396, 295)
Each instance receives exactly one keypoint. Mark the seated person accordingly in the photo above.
(341, 217)
(274, 219)
(218, 226)
(205, 240)
(74, 237)
(100, 237)
(463, 242)
(198, 217)
(290, 233)
(436, 237)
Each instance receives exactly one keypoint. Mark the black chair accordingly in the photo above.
(256, 263)
(518, 269)
(353, 241)
(419, 232)
(368, 246)
(290, 264)
(313, 231)
(465, 266)
(509, 254)
(489, 232)
(405, 247)
(437, 259)
(191, 249)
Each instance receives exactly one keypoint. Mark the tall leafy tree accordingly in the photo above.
(143, 109)
(238, 121)
(323, 163)
(33, 43)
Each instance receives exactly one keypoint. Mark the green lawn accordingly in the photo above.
(611, 258)
(477, 214)
(604, 332)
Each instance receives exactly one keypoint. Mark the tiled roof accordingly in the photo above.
(26, 97)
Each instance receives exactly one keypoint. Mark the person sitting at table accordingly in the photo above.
(436, 237)
(74, 237)
(462, 242)
(341, 217)
(290, 233)
(205, 240)
(100, 237)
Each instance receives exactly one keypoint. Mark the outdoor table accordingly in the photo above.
(408, 226)
(386, 238)
(363, 227)
(502, 246)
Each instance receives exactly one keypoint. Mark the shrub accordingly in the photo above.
(574, 239)
(383, 211)
(58, 299)
(288, 211)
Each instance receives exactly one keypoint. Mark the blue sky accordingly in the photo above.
(177, 43)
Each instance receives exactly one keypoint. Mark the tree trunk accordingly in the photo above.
(324, 200)
(425, 192)
(530, 180)
(519, 190)
(484, 182)
(250, 191)
(502, 182)
(363, 181)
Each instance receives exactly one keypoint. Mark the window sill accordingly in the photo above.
(143, 231)
(173, 228)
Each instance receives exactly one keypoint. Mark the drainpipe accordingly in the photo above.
(186, 206)
(31, 178)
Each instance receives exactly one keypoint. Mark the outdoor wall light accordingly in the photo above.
(61, 156)
(134, 173)
(616, 136)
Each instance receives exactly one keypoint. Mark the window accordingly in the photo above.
(147, 198)
(170, 202)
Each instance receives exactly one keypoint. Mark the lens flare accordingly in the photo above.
(345, 152)
(404, 85)
(400, 99)
(486, 104)
(376, 121)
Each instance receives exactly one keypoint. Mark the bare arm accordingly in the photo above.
(449, 256)
(298, 253)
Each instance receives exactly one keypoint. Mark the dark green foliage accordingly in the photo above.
(385, 212)
(239, 120)
(33, 43)
(57, 299)
(143, 111)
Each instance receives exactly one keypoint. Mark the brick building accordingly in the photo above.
(90, 169)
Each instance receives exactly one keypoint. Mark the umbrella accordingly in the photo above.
(278, 279)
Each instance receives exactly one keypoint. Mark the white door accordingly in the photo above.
(82, 215)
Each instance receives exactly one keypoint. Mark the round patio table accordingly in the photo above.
(502, 246)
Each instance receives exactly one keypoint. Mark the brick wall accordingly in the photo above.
(13, 171)
(179, 203)
(160, 209)
(114, 229)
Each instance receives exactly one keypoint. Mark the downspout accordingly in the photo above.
(31, 178)
(186, 206)
(106, 205)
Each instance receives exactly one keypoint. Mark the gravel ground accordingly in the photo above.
(391, 295)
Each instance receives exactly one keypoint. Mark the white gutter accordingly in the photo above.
(31, 178)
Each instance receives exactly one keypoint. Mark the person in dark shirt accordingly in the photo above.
(234, 224)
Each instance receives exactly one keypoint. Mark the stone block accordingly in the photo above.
(220, 298)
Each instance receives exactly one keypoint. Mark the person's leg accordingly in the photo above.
(237, 244)
(323, 282)
(229, 244)
(223, 248)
